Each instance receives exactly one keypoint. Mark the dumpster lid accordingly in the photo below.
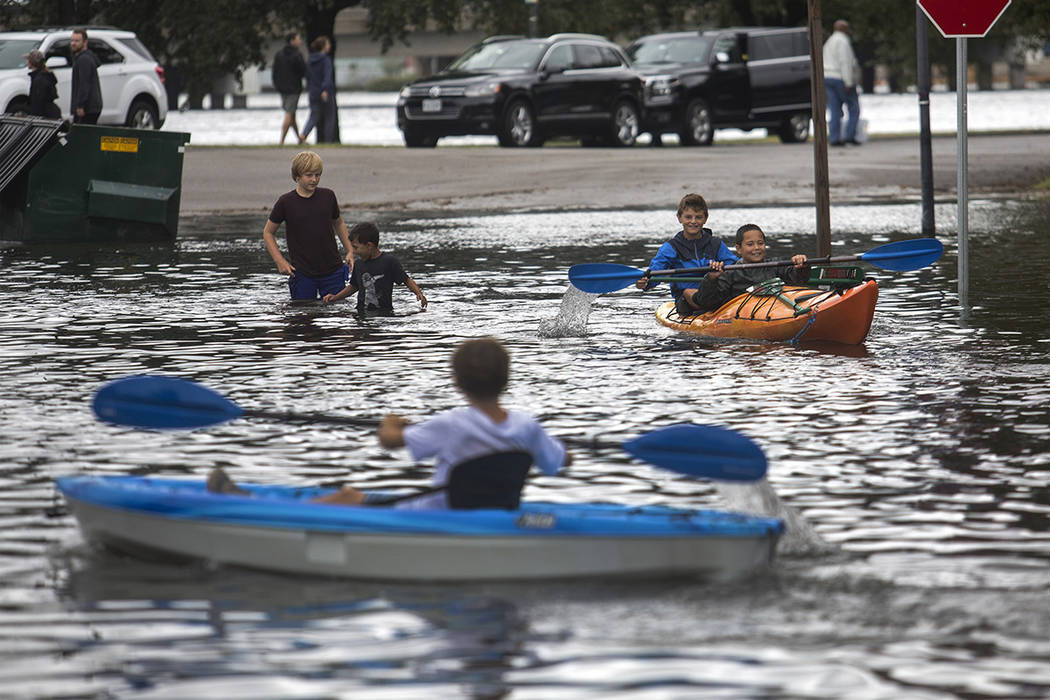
(23, 140)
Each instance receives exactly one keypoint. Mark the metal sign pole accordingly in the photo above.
(961, 77)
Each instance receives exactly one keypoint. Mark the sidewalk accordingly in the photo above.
(483, 179)
(368, 119)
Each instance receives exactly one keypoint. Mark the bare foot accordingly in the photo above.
(347, 496)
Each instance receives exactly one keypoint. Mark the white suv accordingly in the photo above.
(132, 82)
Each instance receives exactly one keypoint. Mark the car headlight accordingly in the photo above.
(660, 85)
(482, 89)
(405, 92)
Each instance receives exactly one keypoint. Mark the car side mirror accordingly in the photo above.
(56, 62)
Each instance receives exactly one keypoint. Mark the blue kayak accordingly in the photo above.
(278, 528)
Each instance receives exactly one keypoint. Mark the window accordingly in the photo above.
(560, 58)
(588, 56)
(105, 52)
(767, 46)
(609, 58)
(728, 45)
(13, 51)
(136, 47)
(59, 48)
(499, 54)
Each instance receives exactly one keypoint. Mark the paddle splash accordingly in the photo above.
(571, 321)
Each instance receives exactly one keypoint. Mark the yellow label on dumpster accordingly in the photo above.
(122, 144)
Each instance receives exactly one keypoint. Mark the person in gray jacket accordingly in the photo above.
(86, 94)
(841, 71)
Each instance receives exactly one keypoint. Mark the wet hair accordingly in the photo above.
(306, 162)
(481, 368)
(744, 229)
(318, 43)
(692, 201)
(365, 232)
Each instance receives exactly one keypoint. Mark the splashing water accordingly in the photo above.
(571, 321)
(759, 498)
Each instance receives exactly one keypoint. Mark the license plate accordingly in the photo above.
(431, 105)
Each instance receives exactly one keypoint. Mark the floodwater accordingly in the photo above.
(914, 469)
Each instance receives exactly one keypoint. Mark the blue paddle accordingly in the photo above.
(148, 401)
(900, 256)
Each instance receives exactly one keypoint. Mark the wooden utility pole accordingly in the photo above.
(820, 129)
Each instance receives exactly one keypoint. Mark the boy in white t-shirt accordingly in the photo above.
(481, 369)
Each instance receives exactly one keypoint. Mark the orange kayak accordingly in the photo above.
(794, 313)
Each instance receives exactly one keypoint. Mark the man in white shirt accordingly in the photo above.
(841, 72)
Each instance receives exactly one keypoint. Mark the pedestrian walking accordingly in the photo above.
(841, 74)
(320, 86)
(42, 90)
(289, 69)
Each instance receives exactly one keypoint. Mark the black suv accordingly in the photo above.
(527, 90)
(744, 78)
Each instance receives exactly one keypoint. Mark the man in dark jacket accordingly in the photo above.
(289, 68)
(320, 85)
(86, 98)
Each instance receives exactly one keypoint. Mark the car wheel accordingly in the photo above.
(417, 138)
(142, 115)
(19, 105)
(519, 126)
(795, 129)
(625, 124)
(698, 130)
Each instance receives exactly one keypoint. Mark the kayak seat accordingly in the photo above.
(490, 481)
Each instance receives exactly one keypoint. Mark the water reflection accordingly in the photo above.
(919, 460)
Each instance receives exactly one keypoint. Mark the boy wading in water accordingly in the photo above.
(312, 222)
(374, 276)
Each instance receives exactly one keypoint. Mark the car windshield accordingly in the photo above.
(13, 51)
(500, 55)
(687, 49)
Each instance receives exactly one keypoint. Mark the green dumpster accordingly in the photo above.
(79, 183)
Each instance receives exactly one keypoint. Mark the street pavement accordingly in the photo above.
(557, 177)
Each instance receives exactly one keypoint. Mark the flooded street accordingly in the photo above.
(917, 466)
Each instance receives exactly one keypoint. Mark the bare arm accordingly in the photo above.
(269, 238)
(339, 226)
(411, 284)
(392, 431)
(339, 296)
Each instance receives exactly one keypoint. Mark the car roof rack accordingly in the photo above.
(501, 37)
(64, 28)
(577, 35)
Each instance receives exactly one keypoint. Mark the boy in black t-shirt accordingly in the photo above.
(374, 274)
(312, 222)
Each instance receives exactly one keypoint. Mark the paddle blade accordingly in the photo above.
(162, 402)
(903, 256)
(701, 450)
(600, 278)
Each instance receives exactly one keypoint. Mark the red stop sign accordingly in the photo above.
(960, 18)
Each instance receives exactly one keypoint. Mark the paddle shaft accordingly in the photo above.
(290, 417)
(766, 263)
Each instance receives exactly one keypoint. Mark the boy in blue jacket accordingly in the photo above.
(693, 246)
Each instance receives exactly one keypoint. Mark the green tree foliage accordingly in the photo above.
(207, 39)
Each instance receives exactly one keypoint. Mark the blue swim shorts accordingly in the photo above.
(303, 287)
